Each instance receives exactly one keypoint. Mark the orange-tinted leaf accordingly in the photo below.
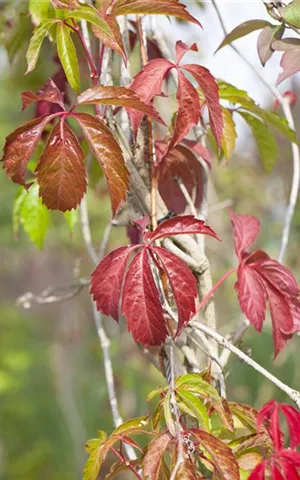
(109, 156)
(61, 170)
(226, 465)
(120, 96)
(246, 414)
(154, 456)
(49, 93)
(158, 7)
(19, 147)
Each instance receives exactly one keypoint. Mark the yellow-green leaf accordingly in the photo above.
(36, 41)
(68, 56)
(229, 133)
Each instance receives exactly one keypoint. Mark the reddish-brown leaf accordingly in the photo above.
(180, 225)
(199, 150)
(120, 96)
(61, 171)
(19, 147)
(157, 7)
(186, 471)
(148, 83)
(183, 285)
(210, 90)
(226, 466)
(179, 163)
(49, 93)
(154, 456)
(107, 279)
(141, 305)
(265, 40)
(245, 231)
(188, 113)
(109, 156)
(114, 42)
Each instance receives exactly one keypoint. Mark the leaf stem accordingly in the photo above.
(151, 147)
(92, 66)
(215, 287)
(125, 462)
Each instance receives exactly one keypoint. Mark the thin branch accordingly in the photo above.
(53, 294)
(86, 231)
(180, 458)
(293, 394)
(187, 196)
(284, 102)
(235, 338)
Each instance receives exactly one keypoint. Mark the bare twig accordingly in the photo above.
(293, 394)
(234, 339)
(284, 102)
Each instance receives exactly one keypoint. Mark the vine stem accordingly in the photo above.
(293, 394)
(286, 107)
(151, 147)
(215, 287)
(123, 460)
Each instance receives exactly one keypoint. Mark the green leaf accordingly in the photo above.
(233, 95)
(34, 216)
(92, 444)
(243, 29)
(195, 407)
(68, 56)
(21, 195)
(71, 217)
(265, 140)
(36, 41)
(94, 462)
(229, 133)
(131, 426)
(90, 14)
(291, 13)
(245, 414)
(168, 414)
(156, 392)
(40, 10)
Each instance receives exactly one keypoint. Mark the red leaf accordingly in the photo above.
(180, 225)
(199, 149)
(19, 147)
(226, 466)
(121, 96)
(154, 455)
(188, 113)
(148, 83)
(179, 162)
(210, 89)
(49, 93)
(183, 285)
(109, 156)
(107, 281)
(181, 49)
(251, 295)
(279, 276)
(141, 305)
(258, 473)
(290, 64)
(157, 7)
(114, 42)
(61, 171)
(245, 231)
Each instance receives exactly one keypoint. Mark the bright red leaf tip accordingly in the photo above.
(262, 279)
(139, 295)
(270, 413)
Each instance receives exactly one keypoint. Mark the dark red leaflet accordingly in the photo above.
(252, 295)
(180, 225)
(183, 285)
(141, 305)
(245, 231)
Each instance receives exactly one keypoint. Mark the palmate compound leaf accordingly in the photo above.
(148, 83)
(140, 303)
(225, 463)
(61, 171)
(260, 279)
(109, 155)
